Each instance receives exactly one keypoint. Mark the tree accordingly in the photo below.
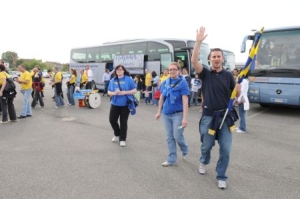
(10, 57)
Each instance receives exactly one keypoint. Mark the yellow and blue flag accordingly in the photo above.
(249, 65)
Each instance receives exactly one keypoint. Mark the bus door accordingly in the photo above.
(182, 57)
(165, 60)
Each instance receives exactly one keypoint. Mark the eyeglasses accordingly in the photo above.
(120, 69)
(173, 69)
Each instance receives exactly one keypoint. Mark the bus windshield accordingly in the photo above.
(279, 51)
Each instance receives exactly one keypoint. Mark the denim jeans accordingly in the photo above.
(106, 87)
(194, 98)
(70, 94)
(208, 141)
(242, 117)
(154, 101)
(174, 135)
(58, 99)
(26, 107)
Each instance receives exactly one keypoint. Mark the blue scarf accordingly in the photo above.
(169, 89)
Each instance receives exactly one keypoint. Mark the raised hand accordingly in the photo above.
(201, 34)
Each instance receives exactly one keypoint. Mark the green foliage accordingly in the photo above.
(10, 57)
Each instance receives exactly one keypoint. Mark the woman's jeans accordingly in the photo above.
(174, 135)
(26, 106)
(208, 141)
(242, 117)
(70, 94)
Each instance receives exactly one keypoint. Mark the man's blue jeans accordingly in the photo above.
(58, 99)
(242, 117)
(174, 135)
(208, 141)
(26, 106)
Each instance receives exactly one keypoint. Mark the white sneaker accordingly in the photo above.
(202, 169)
(167, 164)
(122, 143)
(56, 107)
(240, 131)
(221, 184)
(185, 157)
(115, 139)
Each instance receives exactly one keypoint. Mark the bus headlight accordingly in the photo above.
(253, 91)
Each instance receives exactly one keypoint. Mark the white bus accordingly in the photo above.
(153, 54)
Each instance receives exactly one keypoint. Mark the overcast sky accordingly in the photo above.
(48, 29)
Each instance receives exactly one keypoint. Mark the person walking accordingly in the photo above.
(6, 100)
(25, 81)
(121, 89)
(217, 85)
(173, 106)
(243, 104)
(105, 79)
(71, 87)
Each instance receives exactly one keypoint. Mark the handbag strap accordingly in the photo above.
(120, 86)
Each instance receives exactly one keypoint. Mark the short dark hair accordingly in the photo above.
(214, 50)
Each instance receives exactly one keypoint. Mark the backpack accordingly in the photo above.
(10, 88)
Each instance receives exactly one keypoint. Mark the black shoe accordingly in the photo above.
(21, 117)
(28, 115)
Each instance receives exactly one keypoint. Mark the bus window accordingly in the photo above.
(109, 52)
(182, 58)
(78, 55)
(93, 55)
(134, 48)
(177, 45)
(155, 49)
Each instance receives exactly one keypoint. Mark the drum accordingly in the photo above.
(92, 100)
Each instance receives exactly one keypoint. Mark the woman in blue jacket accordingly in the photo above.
(173, 105)
(121, 89)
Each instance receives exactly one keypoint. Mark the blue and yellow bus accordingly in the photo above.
(276, 77)
(136, 55)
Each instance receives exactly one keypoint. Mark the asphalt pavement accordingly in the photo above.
(68, 153)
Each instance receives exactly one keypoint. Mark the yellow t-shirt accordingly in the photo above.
(26, 76)
(148, 79)
(3, 75)
(72, 79)
(163, 78)
(58, 77)
(84, 78)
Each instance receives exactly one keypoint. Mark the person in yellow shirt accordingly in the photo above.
(57, 83)
(71, 87)
(6, 100)
(25, 81)
(83, 79)
(164, 76)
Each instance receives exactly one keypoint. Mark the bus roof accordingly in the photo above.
(161, 40)
(280, 29)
